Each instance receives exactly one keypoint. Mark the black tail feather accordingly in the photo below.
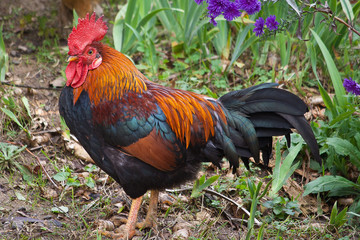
(258, 113)
(303, 127)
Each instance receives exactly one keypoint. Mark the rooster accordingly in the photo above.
(150, 137)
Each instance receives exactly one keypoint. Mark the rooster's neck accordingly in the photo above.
(115, 77)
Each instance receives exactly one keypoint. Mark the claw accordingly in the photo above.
(128, 231)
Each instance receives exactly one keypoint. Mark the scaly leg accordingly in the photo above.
(151, 214)
(129, 230)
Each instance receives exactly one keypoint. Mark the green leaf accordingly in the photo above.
(61, 176)
(27, 105)
(332, 184)
(284, 170)
(241, 45)
(76, 18)
(90, 182)
(91, 168)
(19, 196)
(345, 148)
(26, 174)
(357, 138)
(73, 182)
(325, 96)
(61, 209)
(347, 8)
(333, 72)
(4, 57)
(342, 116)
(294, 6)
(201, 184)
(11, 115)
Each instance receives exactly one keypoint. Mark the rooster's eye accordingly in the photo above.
(90, 52)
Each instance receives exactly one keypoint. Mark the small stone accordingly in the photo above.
(24, 49)
(50, 194)
(14, 53)
(16, 61)
(105, 225)
(18, 91)
(17, 80)
(58, 82)
(181, 234)
(181, 225)
(203, 216)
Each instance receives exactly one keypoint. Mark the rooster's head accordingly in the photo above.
(84, 54)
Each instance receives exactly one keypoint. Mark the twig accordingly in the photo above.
(257, 222)
(53, 130)
(90, 205)
(42, 167)
(33, 87)
(338, 19)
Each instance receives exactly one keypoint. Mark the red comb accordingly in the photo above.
(88, 30)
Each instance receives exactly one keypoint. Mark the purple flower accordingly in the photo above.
(250, 6)
(217, 7)
(351, 86)
(232, 11)
(212, 21)
(199, 1)
(259, 27)
(271, 23)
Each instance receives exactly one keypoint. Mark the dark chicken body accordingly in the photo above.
(149, 137)
(134, 175)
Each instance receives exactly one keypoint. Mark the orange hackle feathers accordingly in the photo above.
(115, 76)
(87, 31)
(192, 117)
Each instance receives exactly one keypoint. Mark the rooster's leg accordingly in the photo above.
(132, 218)
(129, 230)
(151, 214)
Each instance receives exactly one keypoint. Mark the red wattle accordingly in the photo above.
(70, 72)
(80, 81)
(76, 73)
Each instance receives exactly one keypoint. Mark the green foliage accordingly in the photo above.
(4, 58)
(64, 127)
(339, 141)
(333, 72)
(282, 207)
(200, 184)
(8, 155)
(283, 170)
(255, 197)
(131, 23)
(66, 177)
(61, 209)
(344, 147)
(337, 219)
(16, 113)
(135, 29)
(335, 185)
(75, 18)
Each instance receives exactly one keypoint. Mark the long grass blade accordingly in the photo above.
(333, 71)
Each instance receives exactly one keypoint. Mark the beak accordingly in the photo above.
(72, 58)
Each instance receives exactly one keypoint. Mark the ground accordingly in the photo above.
(80, 198)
